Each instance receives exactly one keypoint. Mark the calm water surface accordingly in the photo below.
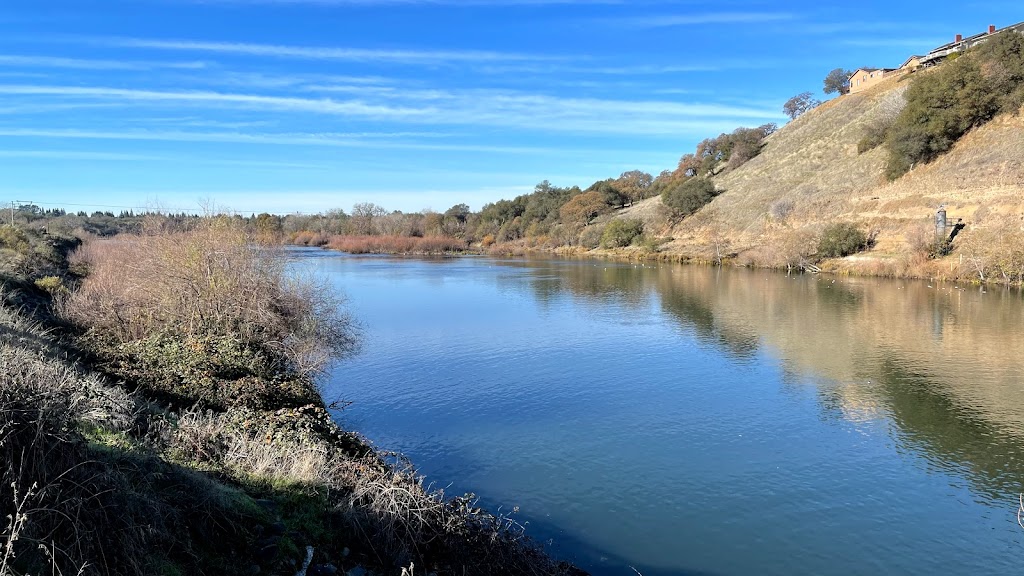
(692, 420)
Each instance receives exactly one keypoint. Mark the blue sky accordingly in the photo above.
(308, 105)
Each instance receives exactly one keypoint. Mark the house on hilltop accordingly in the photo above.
(864, 78)
(912, 63)
(959, 44)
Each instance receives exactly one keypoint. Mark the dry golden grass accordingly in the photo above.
(811, 174)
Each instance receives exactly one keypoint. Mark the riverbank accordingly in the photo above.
(159, 417)
(957, 267)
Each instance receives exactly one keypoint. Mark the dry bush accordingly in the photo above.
(590, 237)
(301, 238)
(208, 281)
(307, 238)
(786, 248)
(397, 244)
(55, 497)
(994, 252)
(378, 501)
(781, 209)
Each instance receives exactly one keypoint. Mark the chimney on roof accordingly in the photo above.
(959, 38)
(991, 29)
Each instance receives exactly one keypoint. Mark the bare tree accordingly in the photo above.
(799, 104)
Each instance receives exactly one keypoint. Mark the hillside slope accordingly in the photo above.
(810, 174)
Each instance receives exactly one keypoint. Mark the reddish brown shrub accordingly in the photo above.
(396, 244)
(209, 281)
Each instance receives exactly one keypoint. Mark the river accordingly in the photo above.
(697, 420)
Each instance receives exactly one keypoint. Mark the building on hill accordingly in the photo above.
(864, 78)
(912, 63)
(959, 43)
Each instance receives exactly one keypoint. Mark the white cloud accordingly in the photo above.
(428, 57)
(318, 106)
(910, 43)
(85, 64)
(355, 140)
(695, 19)
(75, 155)
(454, 3)
(496, 108)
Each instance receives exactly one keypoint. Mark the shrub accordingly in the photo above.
(590, 237)
(397, 244)
(14, 239)
(52, 284)
(212, 281)
(619, 233)
(874, 136)
(923, 242)
(217, 372)
(689, 196)
(841, 239)
(962, 94)
(781, 209)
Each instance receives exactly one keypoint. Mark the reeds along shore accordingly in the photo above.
(159, 414)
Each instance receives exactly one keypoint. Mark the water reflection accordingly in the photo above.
(943, 362)
(700, 420)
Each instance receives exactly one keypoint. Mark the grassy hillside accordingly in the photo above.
(811, 174)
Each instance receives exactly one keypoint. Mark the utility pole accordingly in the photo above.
(14, 204)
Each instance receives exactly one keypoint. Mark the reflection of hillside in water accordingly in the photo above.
(944, 365)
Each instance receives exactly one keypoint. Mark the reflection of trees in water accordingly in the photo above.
(950, 434)
(630, 286)
(592, 283)
(689, 305)
(845, 332)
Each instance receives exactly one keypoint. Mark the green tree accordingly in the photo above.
(1002, 60)
(458, 212)
(841, 239)
(941, 107)
(613, 196)
(689, 196)
(620, 233)
(838, 81)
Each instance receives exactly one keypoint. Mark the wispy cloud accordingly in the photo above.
(127, 157)
(432, 57)
(85, 64)
(911, 43)
(37, 108)
(453, 3)
(695, 19)
(499, 108)
(355, 140)
(76, 155)
(320, 106)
